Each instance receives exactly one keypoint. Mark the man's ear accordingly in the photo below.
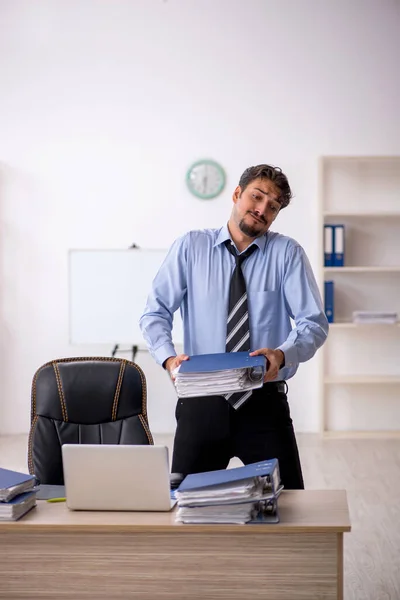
(236, 194)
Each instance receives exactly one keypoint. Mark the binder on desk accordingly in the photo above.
(13, 483)
(256, 512)
(338, 246)
(17, 507)
(245, 494)
(328, 245)
(268, 469)
(329, 300)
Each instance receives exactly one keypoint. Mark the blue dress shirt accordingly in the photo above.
(195, 277)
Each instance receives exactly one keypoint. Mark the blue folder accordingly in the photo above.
(338, 245)
(13, 483)
(208, 363)
(20, 499)
(207, 479)
(329, 300)
(328, 245)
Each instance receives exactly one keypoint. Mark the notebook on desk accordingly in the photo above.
(116, 477)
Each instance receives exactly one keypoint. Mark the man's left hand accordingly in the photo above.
(275, 358)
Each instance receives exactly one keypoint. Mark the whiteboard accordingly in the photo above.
(108, 291)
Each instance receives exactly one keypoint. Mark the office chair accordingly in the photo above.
(84, 401)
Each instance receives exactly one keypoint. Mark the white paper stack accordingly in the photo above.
(228, 504)
(219, 382)
(226, 493)
(374, 317)
(238, 514)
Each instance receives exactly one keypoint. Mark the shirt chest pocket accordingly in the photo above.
(264, 307)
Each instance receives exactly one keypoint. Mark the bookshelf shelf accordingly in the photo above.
(363, 380)
(377, 269)
(362, 215)
(362, 194)
(361, 326)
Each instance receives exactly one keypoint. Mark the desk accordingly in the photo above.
(56, 553)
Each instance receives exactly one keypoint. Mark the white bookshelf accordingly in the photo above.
(360, 380)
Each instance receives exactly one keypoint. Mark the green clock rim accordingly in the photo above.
(206, 162)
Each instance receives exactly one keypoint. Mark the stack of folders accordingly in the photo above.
(372, 316)
(214, 374)
(240, 495)
(17, 495)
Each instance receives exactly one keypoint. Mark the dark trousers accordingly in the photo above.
(210, 432)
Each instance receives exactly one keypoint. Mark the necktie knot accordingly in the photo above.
(239, 258)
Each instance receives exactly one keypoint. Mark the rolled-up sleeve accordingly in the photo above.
(168, 289)
(305, 307)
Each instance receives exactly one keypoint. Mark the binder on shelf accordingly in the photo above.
(328, 245)
(13, 483)
(338, 245)
(329, 293)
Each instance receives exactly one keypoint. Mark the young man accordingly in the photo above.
(233, 304)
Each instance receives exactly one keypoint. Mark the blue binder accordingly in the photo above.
(328, 245)
(329, 291)
(208, 363)
(13, 483)
(17, 507)
(207, 479)
(338, 245)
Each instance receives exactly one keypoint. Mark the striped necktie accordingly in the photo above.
(238, 329)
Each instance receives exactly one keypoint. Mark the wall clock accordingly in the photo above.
(205, 179)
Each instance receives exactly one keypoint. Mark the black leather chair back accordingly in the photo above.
(84, 401)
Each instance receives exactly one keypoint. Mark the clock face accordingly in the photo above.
(205, 179)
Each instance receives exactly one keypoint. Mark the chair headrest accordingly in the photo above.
(89, 390)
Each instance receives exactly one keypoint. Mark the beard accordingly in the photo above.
(251, 230)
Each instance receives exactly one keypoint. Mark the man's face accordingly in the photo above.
(256, 207)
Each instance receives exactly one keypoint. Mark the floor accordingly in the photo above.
(370, 472)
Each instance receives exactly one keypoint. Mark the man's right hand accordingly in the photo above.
(174, 361)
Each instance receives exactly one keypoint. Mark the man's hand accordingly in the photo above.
(174, 361)
(275, 359)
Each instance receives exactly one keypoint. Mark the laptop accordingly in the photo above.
(116, 477)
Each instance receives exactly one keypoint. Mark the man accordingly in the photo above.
(273, 283)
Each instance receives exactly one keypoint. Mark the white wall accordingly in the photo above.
(104, 104)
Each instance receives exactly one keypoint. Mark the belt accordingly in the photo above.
(276, 386)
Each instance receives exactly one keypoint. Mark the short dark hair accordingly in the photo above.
(274, 174)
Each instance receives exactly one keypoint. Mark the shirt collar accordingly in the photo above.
(225, 235)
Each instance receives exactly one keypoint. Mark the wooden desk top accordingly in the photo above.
(310, 511)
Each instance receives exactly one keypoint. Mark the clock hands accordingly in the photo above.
(205, 178)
